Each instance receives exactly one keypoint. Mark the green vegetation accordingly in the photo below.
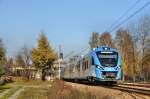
(35, 89)
(2, 50)
(2, 71)
(34, 93)
(32, 83)
(2, 57)
(11, 92)
(5, 87)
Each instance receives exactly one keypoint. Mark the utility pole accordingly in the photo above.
(60, 60)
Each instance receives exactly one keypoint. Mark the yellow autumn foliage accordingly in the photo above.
(43, 55)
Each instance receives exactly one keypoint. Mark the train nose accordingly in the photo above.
(109, 74)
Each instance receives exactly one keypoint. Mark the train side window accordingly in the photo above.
(83, 64)
(78, 66)
(92, 61)
(87, 64)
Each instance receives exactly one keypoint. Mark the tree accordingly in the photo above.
(94, 40)
(26, 55)
(23, 60)
(2, 57)
(2, 71)
(8, 66)
(126, 45)
(144, 37)
(2, 50)
(105, 39)
(43, 55)
(19, 62)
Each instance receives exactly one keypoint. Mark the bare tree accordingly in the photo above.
(125, 43)
(106, 39)
(23, 60)
(26, 56)
(94, 40)
(144, 35)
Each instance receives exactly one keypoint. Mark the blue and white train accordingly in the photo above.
(102, 64)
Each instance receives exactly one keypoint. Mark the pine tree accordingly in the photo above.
(43, 56)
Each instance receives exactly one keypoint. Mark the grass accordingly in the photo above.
(37, 89)
(25, 82)
(20, 82)
(11, 92)
(60, 90)
(34, 93)
(5, 87)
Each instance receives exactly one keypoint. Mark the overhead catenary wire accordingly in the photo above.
(126, 12)
(72, 53)
(122, 22)
(132, 15)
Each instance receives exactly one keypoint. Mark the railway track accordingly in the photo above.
(136, 85)
(133, 89)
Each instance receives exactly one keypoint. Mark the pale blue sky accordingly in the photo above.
(65, 22)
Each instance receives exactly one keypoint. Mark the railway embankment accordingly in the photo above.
(36, 89)
(109, 92)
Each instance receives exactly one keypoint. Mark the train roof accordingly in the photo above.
(104, 48)
(100, 48)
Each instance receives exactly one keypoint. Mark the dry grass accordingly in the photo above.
(36, 89)
(34, 93)
(60, 90)
(25, 82)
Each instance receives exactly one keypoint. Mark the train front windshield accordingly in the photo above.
(108, 59)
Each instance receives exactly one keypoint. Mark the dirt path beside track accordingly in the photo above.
(16, 94)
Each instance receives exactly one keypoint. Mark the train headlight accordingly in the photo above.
(99, 67)
(118, 67)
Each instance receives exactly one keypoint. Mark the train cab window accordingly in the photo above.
(108, 59)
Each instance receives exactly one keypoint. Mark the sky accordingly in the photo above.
(68, 23)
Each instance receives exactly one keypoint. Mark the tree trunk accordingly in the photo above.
(43, 74)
